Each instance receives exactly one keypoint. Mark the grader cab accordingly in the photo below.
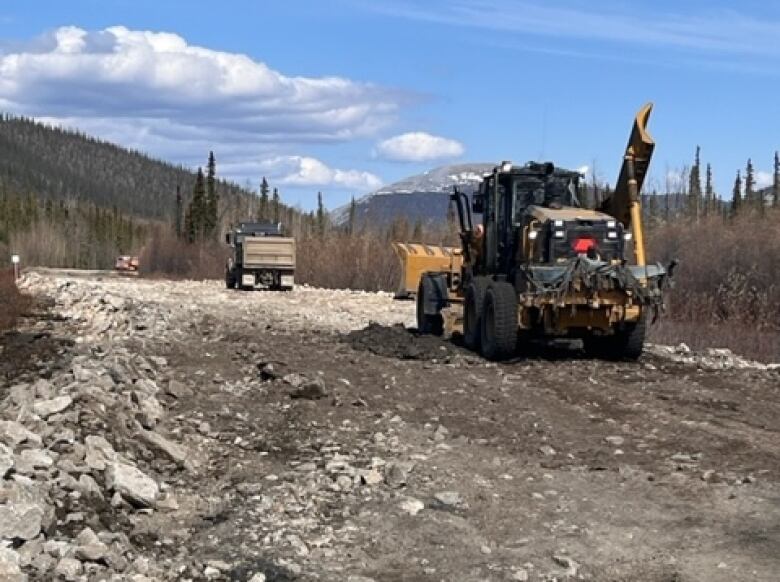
(540, 265)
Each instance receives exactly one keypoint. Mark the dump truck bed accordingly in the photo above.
(269, 252)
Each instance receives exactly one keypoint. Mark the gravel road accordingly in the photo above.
(159, 430)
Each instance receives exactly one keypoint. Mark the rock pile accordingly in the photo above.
(82, 462)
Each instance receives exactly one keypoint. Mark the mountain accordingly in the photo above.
(60, 164)
(422, 197)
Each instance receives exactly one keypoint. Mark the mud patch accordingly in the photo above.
(36, 349)
(398, 342)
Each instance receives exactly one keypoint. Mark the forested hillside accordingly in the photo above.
(61, 164)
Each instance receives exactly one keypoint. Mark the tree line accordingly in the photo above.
(65, 233)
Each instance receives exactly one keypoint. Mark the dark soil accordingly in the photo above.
(401, 343)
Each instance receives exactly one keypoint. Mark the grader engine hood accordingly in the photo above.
(578, 259)
(560, 234)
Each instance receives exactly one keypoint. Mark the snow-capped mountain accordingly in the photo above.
(422, 197)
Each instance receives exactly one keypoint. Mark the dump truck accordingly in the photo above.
(262, 257)
(127, 264)
(541, 266)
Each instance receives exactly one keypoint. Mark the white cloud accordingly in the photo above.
(155, 92)
(418, 147)
(306, 171)
(763, 179)
(122, 73)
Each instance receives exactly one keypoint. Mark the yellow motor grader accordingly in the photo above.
(539, 265)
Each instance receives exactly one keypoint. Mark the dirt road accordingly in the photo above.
(280, 436)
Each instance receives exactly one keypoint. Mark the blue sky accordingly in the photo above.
(342, 96)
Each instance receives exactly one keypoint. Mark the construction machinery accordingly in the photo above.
(417, 259)
(540, 265)
(127, 264)
(262, 257)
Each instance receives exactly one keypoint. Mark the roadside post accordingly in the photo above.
(15, 261)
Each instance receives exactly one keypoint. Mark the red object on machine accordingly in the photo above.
(583, 245)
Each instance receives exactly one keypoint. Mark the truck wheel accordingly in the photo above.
(499, 322)
(472, 311)
(431, 295)
(230, 280)
(627, 342)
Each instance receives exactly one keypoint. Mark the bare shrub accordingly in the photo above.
(363, 261)
(727, 288)
(12, 303)
(729, 272)
(167, 255)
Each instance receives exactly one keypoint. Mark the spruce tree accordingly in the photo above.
(694, 186)
(275, 208)
(417, 233)
(709, 192)
(352, 217)
(736, 203)
(263, 214)
(776, 182)
(750, 182)
(211, 209)
(197, 209)
(179, 210)
(320, 216)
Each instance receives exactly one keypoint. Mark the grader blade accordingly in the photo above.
(417, 259)
(625, 203)
(639, 151)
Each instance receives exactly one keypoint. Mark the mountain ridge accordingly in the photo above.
(421, 197)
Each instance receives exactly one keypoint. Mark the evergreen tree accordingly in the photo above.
(417, 233)
(776, 182)
(179, 210)
(352, 217)
(750, 182)
(197, 209)
(275, 208)
(694, 186)
(211, 209)
(709, 192)
(736, 203)
(263, 214)
(320, 216)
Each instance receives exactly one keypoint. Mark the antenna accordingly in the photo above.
(543, 152)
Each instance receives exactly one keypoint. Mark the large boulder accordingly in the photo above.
(132, 484)
(14, 433)
(45, 408)
(9, 566)
(25, 511)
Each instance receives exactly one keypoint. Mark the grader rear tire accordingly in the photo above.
(499, 322)
(474, 303)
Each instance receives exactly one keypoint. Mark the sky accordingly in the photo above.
(345, 96)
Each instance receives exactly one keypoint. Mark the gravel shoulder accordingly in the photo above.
(180, 431)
